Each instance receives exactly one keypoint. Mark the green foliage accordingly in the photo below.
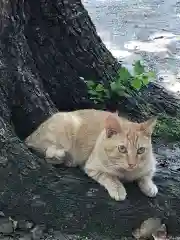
(122, 85)
(168, 128)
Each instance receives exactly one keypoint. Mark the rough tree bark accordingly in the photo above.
(45, 47)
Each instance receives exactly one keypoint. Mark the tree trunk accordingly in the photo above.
(46, 46)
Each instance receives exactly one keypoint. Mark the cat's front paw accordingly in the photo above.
(60, 153)
(55, 156)
(118, 193)
(148, 188)
(153, 190)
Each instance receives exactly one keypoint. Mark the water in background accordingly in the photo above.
(142, 29)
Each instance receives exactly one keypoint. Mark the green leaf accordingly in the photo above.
(118, 89)
(99, 87)
(145, 79)
(136, 83)
(101, 100)
(92, 92)
(100, 95)
(151, 75)
(138, 68)
(90, 84)
(107, 93)
(113, 86)
(121, 93)
(124, 94)
(123, 75)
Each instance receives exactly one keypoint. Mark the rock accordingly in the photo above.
(37, 232)
(26, 237)
(6, 226)
(147, 228)
(3, 161)
(161, 233)
(24, 225)
(2, 214)
(59, 236)
(14, 222)
(37, 201)
(7, 238)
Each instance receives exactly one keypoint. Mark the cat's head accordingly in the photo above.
(127, 144)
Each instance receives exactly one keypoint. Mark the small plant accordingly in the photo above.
(98, 93)
(168, 128)
(122, 85)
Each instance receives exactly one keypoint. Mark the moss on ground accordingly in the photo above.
(167, 128)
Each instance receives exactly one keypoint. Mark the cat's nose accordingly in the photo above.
(132, 165)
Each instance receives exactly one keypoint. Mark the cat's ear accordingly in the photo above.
(112, 126)
(117, 113)
(148, 126)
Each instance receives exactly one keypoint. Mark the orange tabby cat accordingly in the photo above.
(107, 147)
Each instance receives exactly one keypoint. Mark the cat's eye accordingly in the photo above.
(122, 149)
(141, 150)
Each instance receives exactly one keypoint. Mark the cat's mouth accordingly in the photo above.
(130, 169)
